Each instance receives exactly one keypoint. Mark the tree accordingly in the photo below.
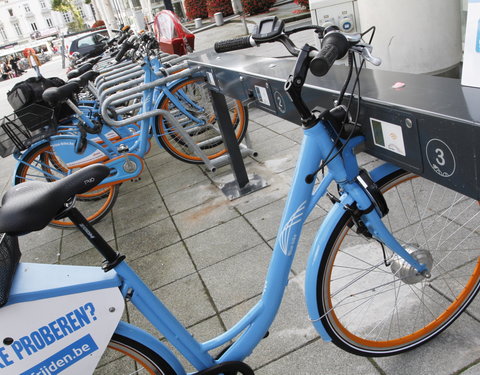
(69, 6)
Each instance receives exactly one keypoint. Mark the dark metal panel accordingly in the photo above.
(436, 119)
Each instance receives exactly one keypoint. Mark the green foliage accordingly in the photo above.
(69, 6)
(196, 9)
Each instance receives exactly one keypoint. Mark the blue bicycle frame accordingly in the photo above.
(301, 201)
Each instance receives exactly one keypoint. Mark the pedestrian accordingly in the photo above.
(14, 64)
(34, 61)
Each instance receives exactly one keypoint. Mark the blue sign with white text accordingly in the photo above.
(64, 358)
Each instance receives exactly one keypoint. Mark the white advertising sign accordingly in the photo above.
(60, 335)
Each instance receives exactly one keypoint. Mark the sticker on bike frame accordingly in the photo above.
(388, 136)
(262, 95)
(284, 237)
(440, 157)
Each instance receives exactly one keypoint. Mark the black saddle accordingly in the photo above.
(93, 60)
(80, 70)
(85, 78)
(56, 95)
(30, 206)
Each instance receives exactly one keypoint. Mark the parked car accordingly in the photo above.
(92, 43)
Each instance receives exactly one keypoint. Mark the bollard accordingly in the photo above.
(218, 18)
(198, 23)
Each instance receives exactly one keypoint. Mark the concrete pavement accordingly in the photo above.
(206, 256)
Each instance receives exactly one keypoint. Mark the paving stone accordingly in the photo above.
(290, 330)
(319, 358)
(181, 181)
(187, 313)
(193, 196)
(46, 253)
(222, 241)
(282, 126)
(204, 216)
(138, 209)
(435, 357)
(35, 239)
(148, 239)
(242, 274)
(164, 266)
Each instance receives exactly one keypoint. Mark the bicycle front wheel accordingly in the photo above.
(194, 97)
(126, 356)
(370, 301)
(41, 164)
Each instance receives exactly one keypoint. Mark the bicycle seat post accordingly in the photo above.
(112, 257)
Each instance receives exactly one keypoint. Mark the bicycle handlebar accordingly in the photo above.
(234, 44)
(334, 47)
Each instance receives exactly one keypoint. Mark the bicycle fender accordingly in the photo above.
(19, 157)
(137, 334)
(319, 246)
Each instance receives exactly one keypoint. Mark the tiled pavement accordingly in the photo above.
(206, 257)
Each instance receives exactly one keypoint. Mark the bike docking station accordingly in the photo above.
(425, 124)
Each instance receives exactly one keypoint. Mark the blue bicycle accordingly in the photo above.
(374, 286)
(175, 110)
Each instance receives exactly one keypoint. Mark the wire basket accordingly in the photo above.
(9, 258)
(25, 127)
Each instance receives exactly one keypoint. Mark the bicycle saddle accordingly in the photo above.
(30, 206)
(80, 70)
(56, 95)
(85, 78)
(93, 60)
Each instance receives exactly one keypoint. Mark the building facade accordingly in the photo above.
(22, 21)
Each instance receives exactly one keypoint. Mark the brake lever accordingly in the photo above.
(366, 51)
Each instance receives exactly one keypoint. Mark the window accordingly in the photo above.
(27, 7)
(49, 22)
(42, 4)
(34, 26)
(10, 11)
(3, 34)
(66, 17)
(17, 29)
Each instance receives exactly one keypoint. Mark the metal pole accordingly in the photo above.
(226, 128)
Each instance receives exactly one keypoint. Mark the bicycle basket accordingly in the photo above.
(25, 127)
(9, 258)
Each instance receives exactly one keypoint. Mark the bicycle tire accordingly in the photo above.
(371, 309)
(40, 163)
(134, 358)
(206, 136)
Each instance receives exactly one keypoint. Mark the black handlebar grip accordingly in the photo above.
(123, 50)
(234, 44)
(334, 47)
(321, 64)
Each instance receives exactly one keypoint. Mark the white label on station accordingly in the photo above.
(262, 95)
(210, 78)
(388, 136)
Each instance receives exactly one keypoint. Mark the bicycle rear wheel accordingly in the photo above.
(370, 302)
(126, 356)
(41, 164)
(206, 136)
